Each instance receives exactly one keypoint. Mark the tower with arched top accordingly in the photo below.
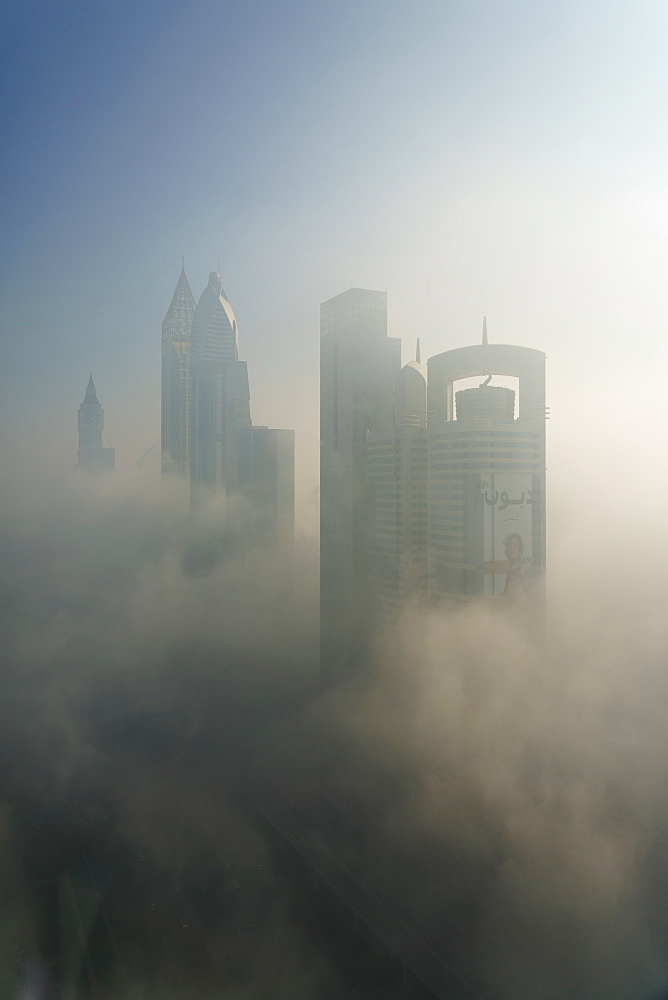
(486, 474)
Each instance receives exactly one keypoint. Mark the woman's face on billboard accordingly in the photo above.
(513, 549)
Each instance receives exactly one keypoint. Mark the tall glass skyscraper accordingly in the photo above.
(219, 395)
(358, 367)
(397, 464)
(251, 469)
(175, 408)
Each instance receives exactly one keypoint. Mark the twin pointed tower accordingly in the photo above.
(207, 432)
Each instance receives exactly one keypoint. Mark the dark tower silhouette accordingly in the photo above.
(92, 456)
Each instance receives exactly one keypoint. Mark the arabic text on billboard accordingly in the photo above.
(507, 521)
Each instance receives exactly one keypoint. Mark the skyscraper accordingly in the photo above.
(486, 472)
(358, 367)
(457, 501)
(252, 469)
(219, 395)
(175, 415)
(92, 456)
(397, 464)
(267, 484)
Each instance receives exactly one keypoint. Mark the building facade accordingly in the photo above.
(175, 401)
(92, 456)
(486, 475)
(358, 367)
(249, 469)
(267, 483)
(457, 490)
(397, 464)
(219, 396)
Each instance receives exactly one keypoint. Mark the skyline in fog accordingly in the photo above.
(469, 159)
(466, 159)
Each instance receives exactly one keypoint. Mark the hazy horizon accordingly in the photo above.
(467, 160)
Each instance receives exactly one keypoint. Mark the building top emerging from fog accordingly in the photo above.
(215, 337)
(358, 367)
(207, 433)
(486, 475)
(178, 321)
(92, 456)
(359, 312)
(410, 396)
(456, 501)
(175, 417)
(219, 396)
(524, 363)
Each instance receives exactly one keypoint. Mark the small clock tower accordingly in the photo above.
(92, 456)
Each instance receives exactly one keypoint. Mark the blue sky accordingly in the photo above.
(469, 157)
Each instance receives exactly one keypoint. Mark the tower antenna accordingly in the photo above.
(417, 351)
(484, 331)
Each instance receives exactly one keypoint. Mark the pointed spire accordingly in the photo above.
(417, 351)
(90, 399)
(484, 331)
(179, 317)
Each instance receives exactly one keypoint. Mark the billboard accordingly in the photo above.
(506, 534)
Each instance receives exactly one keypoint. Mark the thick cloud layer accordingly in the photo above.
(507, 792)
(142, 654)
(524, 785)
